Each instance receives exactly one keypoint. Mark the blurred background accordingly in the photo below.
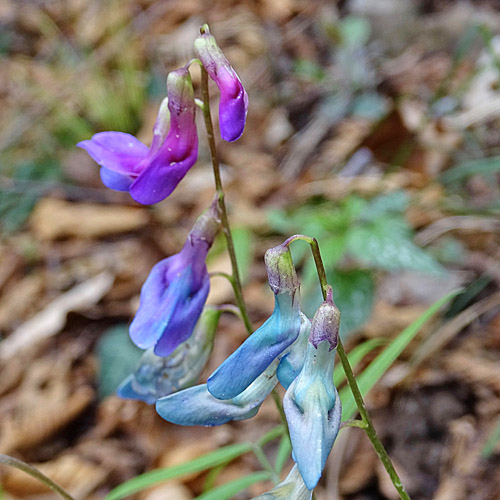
(372, 126)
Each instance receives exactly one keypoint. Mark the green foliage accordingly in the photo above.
(357, 237)
(117, 357)
(213, 459)
(242, 239)
(229, 489)
(379, 366)
(491, 442)
(21, 189)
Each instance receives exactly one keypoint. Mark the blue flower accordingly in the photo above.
(312, 405)
(292, 488)
(196, 406)
(158, 376)
(151, 174)
(292, 360)
(175, 292)
(280, 330)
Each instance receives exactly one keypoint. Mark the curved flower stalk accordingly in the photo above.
(312, 404)
(233, 104)
(280, 330)
(292, 360)
(196, 406)
(151, 174)
(292, 488)
(158, 376)
(173, 296)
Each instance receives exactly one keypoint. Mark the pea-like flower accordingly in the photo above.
(151, 174)
(233, 103)
(292, 360)
(312, 405)
(173, 296)
(158, 376)
(279, 331)
(196, 406)
(292, 488)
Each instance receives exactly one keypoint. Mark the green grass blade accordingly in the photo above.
(492, 441)
(384, 360)
(284, 450)
(213, 459)
(355, 356)
(228, 490)
(474, 167)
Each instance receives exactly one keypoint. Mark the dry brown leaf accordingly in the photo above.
(170, 491)
(53, 318)
(53, 219)
(186, 451)
(44, 403)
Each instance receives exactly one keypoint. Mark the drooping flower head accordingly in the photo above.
(292, 488)
(280, 330)
(173, 296)
(158, 376)
(312, 405)
(196, 406)
(151, 174)
(233, 104)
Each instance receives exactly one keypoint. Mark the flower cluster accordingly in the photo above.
(175, 327)
(151, 174)
(288, 348)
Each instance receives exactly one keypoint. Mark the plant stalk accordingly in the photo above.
(33, 472)
(220, 191)
(369, 429)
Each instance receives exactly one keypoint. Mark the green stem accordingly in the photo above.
(220, 191)
(370, 429)
(33, 472)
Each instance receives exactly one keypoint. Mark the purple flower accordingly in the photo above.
(151, 174)
(173, 296)
(233, 104)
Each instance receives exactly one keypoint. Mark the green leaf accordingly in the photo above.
(213, 459)
(473, 167)
(353, 293)
(117, 357)
(491, 443)
(284, 450)
(242, 239)
(386, 244)
(391, 203)
(384, 360)
(354, 357)
(228, 490)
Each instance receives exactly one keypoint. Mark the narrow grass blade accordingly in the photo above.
(284, 450)
(384, 360)
(213, 459)
(228, 490)
(355, 356)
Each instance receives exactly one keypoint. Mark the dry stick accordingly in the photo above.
(33, 472)
(370, 429)
(218, 186)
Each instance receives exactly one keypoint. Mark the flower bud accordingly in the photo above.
(233, 104)
(326, 323)
(280, 270)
